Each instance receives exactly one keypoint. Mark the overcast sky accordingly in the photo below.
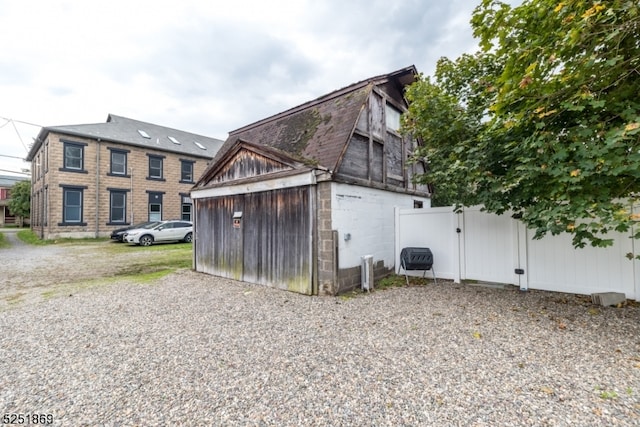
(206, 67)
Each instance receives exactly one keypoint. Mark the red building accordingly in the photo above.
(6, 216)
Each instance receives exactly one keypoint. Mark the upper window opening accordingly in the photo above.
(392, 118)
(202, 147)
(73, 157)
(155, 167)
(118, 162)
(143, 134)
(174, 140)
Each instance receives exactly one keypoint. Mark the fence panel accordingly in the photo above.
(491, 247)
(556, 266)
(433, 228)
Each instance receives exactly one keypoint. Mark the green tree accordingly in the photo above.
(447, 113)
(559, 139)
(20, 201)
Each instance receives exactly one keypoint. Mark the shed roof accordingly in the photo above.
(134, 132)
(317, 131)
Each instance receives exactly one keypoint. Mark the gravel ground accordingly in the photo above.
(192, 349)
(28, 272)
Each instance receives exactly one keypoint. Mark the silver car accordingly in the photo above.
(164, 231)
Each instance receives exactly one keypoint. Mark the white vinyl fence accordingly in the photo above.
(475, 245)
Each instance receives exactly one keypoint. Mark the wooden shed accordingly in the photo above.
(295, 201)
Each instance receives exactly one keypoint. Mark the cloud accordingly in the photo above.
(208, 67)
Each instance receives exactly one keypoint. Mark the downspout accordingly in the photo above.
(98, 189)
(41, 198)
(42, 202)
(194, 253)
(45, 208)
(131, 192)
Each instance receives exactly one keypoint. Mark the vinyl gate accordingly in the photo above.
(475, 245)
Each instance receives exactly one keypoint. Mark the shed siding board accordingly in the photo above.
(219, 245)
(394, 155)
(363, 119)
(414, 170)
(355, 162)
(271, 247)
(377, 115)
(377, 172)
(248, 164)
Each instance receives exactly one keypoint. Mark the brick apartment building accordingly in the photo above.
(89, 179)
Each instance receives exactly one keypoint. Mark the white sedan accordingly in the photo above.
(165, 231)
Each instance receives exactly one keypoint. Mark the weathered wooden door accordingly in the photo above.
(262, 238)
(218, 245)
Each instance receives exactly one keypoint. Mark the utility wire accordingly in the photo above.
(19, 136)
(13, 123)
(11, 157)
(20, 121)
(21, 173)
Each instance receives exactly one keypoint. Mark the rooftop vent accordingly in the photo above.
(143, 134)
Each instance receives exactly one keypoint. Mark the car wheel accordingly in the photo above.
(188, 238)
(146, 240)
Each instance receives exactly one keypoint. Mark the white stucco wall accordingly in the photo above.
(367, 215)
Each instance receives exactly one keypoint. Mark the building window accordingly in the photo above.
(155, 206)
(392, 118)
(186, 204)
(155, 167)
(118, 162)
(117, 207)
(72, 203)
(186, 212)
(155, 212)
(34, 209)
(418, 204)
(186, 171)
(73, 157)
(45, 205)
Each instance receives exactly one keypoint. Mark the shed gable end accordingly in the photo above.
(247, 164)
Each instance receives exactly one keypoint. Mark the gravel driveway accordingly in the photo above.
(192, 349)
(29, 273)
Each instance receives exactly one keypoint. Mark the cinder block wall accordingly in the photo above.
(326, 262)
